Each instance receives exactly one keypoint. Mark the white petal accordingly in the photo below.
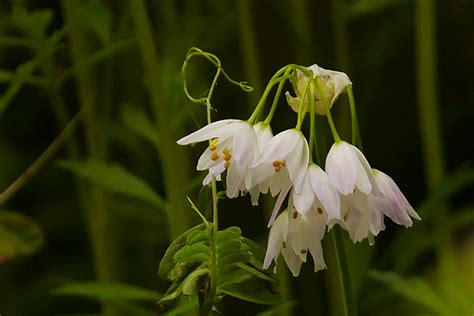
(234, 179)
(365, 178)
(341, 167)
(279, 202)
(281, 145)
(303, 165)
(205, 133)
(278, 234)
(324, 191)
(244, 144)
(304, 200)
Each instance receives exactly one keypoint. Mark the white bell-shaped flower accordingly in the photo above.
(293, 235)
(317, 193)
(392, 202)
(232, 145)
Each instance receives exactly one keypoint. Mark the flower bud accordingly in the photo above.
(333, 84)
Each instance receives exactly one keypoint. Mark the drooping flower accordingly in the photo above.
(348, 170)
(392, 202)
(333, 83)
(293, 235)
(232, 145)
(283, 165)
(264, 135)
(350, 174)
(318, 194)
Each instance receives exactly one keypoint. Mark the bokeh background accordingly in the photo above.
(411, 64)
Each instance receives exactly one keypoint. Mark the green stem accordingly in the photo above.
(249, 49)
(269, 117)
(356, 139)
(328, 110)
(41, 161)
(303, 105)
(432, 144)
(99, 220)
(343, 273)
(173, 159)
(312, 132)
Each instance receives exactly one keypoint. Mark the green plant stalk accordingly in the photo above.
(174, 161)
(347, 297)
(328, 110)
(312, 130)
(98, 217)
(249, 48)
(338, 245)
(355, 134)
(428, 108)
(269, 117)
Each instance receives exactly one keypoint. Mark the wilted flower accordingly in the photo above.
(232, 145)
(333, 84)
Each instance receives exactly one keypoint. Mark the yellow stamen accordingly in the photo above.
(227, 157)
(320, 210)
(295, 214)
(225, 150)
(227, 164)
(214, 156)
(278, 164)
(213, 144)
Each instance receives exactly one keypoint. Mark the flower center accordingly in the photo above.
(278, 164)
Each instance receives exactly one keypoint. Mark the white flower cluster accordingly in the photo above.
(348, 192)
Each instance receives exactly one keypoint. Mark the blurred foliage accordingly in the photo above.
(49, 244)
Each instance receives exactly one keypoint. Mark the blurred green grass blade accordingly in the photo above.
(20, 77)
(102, 55)
(96, 18)
(285, 308)
(414, 289)
(7, 76)
(139, 123)
(19, 235)
(114, 178)
(253, 291)
(107, 291)
(364, 8)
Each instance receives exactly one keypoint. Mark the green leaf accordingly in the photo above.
(19, 235)
(252, 291)
(285, 308)
(96, 18)
(232, 232)
(231, 274)
(107, 291)
(414, 289)
(189, 252)
(255, 272)
(189, 284)
(139, 123)
(181, 309)
(114, 178)
(20, 77)
(168, 262)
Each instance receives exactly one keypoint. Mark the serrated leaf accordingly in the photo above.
(414, 289)
(198, 236)
(19, 235)
(252, 291)
(139, 123)
(168, 263)
(229, 233)
(107, 291)
(192, 251)
(189, 284)
(234, 257)
(114, 178)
